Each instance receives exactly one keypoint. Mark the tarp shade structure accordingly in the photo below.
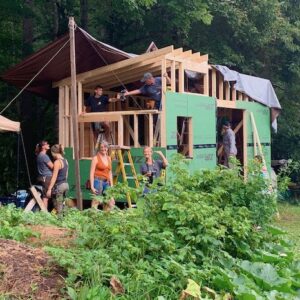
(90, 54)
(259, 89)
(8, 125)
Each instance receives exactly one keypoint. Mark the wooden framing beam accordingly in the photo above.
(61, 129)
(226, 104)
(181, 78)
(245, 139)
(191, 137)
(142, 66)
(150, 117)
(67, 116)
(136, 131)
(162, 116)
(227, 90)
(112, 67)
(213, 82)
(173, 76)
(221, 86)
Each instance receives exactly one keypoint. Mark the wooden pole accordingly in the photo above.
(74, 111)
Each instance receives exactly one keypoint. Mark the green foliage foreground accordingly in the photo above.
(209, 227)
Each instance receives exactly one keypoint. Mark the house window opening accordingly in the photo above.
(185, 136)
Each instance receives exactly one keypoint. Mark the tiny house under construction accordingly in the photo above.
(194, 106)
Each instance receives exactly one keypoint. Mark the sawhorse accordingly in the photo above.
(35, 200)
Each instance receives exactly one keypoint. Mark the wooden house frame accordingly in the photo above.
(218, 96)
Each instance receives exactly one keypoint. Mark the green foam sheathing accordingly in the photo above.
(261, 115)
(85, 164)
(202, 110)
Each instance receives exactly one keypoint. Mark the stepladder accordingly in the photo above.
(125, 168)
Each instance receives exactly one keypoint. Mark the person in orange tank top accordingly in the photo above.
(101, 174)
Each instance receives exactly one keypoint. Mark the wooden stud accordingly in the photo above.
(120, 131)
(161, 119)
(221, 86)
(240, 95)
(233, 90)
(227, 90)
(191, 137)
(173, 76)
(245, 142)
(181, 78)
(136, 131)
(214, 82)
(150, 117)
(206, 84)
(61, 129)
(67, 117)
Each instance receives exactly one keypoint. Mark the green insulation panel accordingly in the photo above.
(262, 119)
(85, 164)
(202, 111)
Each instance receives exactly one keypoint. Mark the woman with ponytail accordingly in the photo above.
(58, 185)
(45, 167)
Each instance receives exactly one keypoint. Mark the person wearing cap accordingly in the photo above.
(58, 185)
(152, 88)
(228, 143)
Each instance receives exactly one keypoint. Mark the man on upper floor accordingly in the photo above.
(152, 88)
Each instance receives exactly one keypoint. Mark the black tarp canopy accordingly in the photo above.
(90, 54)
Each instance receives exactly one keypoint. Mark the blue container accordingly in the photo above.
(21, 197)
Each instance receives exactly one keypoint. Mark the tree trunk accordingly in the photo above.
(84, 14)
(26, 100)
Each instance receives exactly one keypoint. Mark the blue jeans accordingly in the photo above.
(100, 186)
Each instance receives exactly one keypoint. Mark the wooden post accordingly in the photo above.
(221, 87)
(213, 83)
(136, 131)
(61, 128)
(162, 116)
(74, 111)
(173, 76)
(181, 77)
(245, 140)
(150, 130)
(67, 117)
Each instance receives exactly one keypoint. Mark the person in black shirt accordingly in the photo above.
(98, 103)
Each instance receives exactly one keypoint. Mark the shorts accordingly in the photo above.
(45, 182)
(101, 186)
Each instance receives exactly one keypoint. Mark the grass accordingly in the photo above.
(290, 221)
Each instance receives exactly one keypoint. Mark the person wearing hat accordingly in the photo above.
(228, 143)
(151, 88)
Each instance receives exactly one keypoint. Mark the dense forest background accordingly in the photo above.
(260, 38)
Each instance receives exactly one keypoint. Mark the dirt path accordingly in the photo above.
(28, 273)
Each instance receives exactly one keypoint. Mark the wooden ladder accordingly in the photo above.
(120, 154)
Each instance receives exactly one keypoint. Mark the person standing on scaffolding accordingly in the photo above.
(152, 88)
(98, 103)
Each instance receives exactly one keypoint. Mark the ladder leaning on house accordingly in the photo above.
(122, 154)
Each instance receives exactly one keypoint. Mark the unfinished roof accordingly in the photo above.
(90, 54)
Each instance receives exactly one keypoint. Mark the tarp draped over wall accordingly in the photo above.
(90, 54)
(259, 89)
(8, 125)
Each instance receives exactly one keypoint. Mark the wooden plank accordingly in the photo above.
(185, 54)
(214, 82)
(37, 198)
(30, 205)
(136, 131)
(233, 94)
(67, 117)
(200, 68)
(245, 140)
(112, 67)
(173, 76)
(61, 131)
(79, 97)
(206, 84)
(226, 103)
(121, 131)
(162, 116)
(227, 90)
(181, 78)
(221, 86)
(150, 116)
(240, 95)
(191, 137)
